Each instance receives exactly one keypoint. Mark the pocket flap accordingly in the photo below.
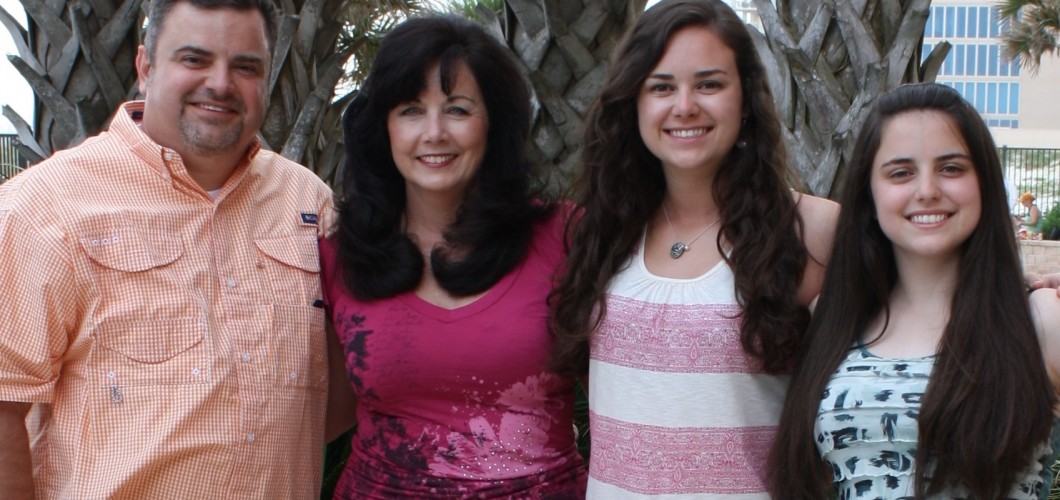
(296, 251)
(124, 249)
(150, 341)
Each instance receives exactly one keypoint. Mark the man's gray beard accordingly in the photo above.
(208, 145)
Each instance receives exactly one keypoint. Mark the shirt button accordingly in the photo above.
(230, 283)
(245, 357)
(250, 437)
(168, 156)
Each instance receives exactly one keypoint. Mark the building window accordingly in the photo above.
(984, 22)
(991, 98)
(959, 59)
(937, 15)
(962, 13)
(1014, 101)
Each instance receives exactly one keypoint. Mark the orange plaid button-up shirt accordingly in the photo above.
(170, 340)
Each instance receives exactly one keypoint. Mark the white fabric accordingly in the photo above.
(678, 409)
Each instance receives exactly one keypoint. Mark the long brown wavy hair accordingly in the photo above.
(621, 185)
(988, 405)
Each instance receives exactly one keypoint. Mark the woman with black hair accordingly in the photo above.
(437, 278)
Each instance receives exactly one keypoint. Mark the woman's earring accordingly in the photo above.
(741, 144)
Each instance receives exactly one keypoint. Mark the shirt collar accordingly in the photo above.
(166, 161)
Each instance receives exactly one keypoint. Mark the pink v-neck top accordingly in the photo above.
(458, 403)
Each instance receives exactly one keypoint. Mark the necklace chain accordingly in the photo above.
(679, 248)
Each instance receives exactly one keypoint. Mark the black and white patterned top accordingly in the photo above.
(867, 428)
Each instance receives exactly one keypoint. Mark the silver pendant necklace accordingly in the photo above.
(679, 248)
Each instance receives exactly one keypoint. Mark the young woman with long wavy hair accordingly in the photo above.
(691, 261)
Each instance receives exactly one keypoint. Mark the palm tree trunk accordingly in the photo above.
(564, 47)
(79, 59)
(826, 79)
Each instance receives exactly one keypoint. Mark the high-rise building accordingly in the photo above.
(1020, 106)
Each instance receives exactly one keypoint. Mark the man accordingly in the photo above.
(160, 332)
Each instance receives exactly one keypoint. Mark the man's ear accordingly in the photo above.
(143, 68)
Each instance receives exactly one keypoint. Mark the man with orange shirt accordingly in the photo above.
(161, 335)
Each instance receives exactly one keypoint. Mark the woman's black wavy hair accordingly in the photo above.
(494, 224)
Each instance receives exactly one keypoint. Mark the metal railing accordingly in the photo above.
(1035, 171)
(11, 161)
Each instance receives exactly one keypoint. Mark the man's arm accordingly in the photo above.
(16, 466)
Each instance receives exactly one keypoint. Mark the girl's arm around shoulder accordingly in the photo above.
(819, 216)
(1045, 310)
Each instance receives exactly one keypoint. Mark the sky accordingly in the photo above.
(14, 91)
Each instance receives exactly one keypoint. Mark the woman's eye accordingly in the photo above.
(457, 110)
(710, 85)
(952, 168)
(899, 174)
(659, 87)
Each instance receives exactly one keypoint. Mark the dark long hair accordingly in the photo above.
(494, 224)
(622, 184)
(989, 400)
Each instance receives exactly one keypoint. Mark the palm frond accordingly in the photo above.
(1031, 31)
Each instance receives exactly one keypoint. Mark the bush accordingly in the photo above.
(1051, 224)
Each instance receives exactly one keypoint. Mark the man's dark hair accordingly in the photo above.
(160, 9)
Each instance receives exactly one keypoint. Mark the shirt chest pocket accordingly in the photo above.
(291, 268)
(163, 352)
(138, 274)
(299, 346)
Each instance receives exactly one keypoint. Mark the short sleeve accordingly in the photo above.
(38, 314)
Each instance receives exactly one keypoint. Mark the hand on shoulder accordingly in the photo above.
(1036, 281)
(1045, 310)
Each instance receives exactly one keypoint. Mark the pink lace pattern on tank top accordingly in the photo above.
(672, 338)
(653, 460)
